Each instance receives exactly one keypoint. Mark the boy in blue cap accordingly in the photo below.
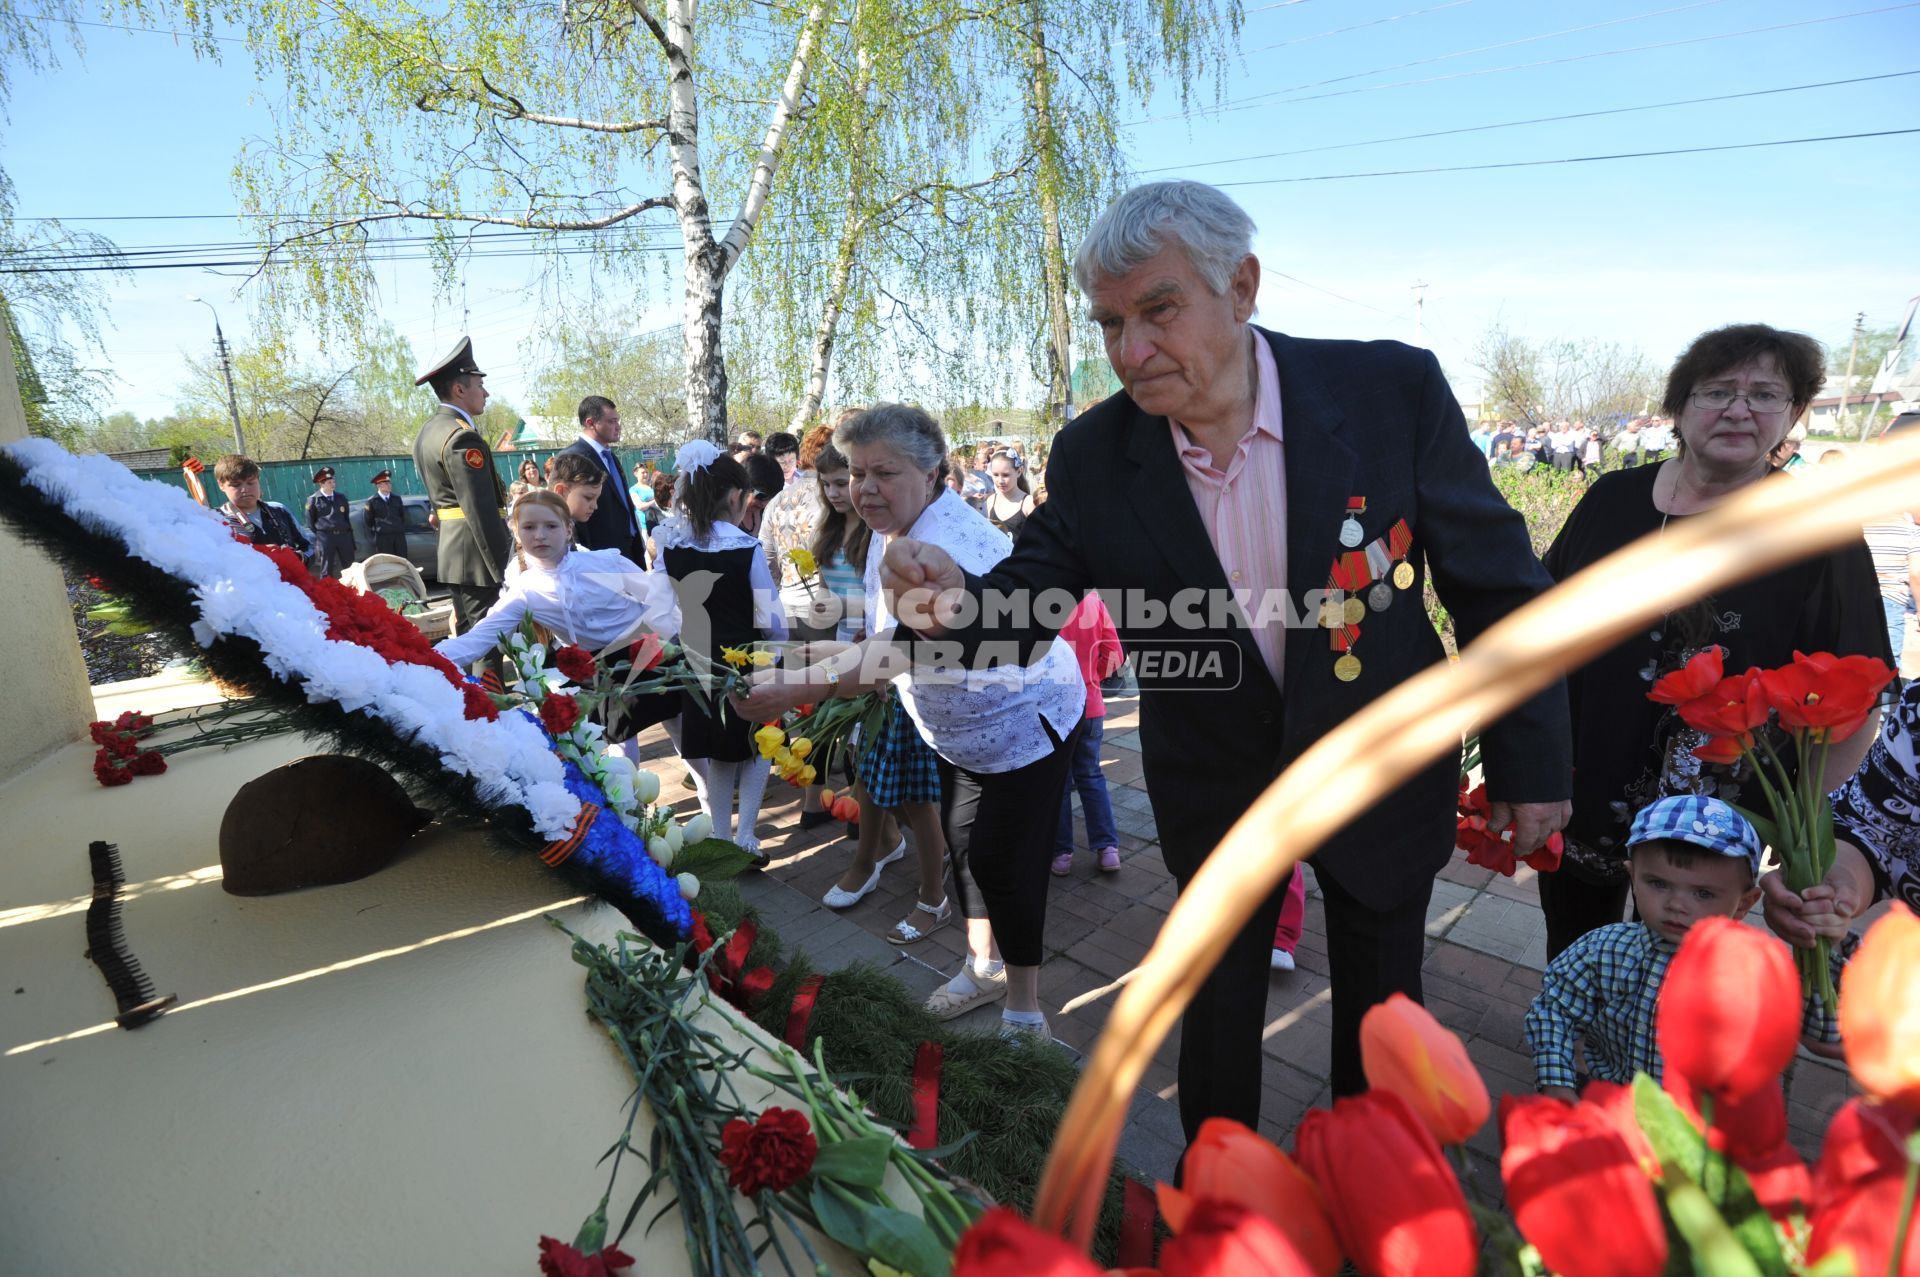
(1691, 858)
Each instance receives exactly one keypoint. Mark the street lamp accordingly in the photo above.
(226, 367)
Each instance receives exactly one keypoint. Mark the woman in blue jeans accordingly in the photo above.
(1097, 646)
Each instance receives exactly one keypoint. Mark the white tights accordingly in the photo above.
(715, 783)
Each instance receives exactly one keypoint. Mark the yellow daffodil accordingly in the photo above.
(761, 660)
(802, 747)
(735, 657)
(803, 561)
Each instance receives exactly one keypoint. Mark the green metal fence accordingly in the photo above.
(291, 482)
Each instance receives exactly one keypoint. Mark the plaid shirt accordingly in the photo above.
(1603, 989)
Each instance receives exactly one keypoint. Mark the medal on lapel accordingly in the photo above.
(1399, 542)
(1380, 594)
(1350, 532)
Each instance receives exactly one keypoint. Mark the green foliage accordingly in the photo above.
(1543, 496)
(1538, 382)
(1009, 1095)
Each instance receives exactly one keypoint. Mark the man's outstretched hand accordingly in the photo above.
(924, 586)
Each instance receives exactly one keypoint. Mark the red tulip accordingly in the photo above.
(1225, 1240)
(1863, 1141)
(1577, 1190)
(1734, 707)
(1751, 1126)
(1227, 1164)
(1615, 1103)
(1001, 1244)
(1729, 1014)
(1405, 1050)
(1724, 750)
(1394, 1201)
(1780, 1181)
(1880, 1010)
(1694, 679)
(1829, 695)
(1863, 1221)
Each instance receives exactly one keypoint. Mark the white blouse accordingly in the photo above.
(983, 720)
(677, 533)
(590, 598)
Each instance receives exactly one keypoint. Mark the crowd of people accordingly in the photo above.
(1301, 492)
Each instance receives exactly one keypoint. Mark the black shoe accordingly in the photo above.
(815, 819)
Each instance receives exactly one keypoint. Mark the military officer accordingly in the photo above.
(463, 488)
(386, 517)
(327, 520)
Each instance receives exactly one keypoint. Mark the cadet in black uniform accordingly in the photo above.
(468, 499)
(327, 520)
(386, 517)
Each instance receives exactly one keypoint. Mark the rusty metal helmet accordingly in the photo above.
(317, 821)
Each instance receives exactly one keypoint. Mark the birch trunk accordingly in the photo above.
(1053, 251)
(820, 358)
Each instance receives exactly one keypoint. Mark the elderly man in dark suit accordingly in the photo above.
(1265, 508)
(615, 524)
(464, 490)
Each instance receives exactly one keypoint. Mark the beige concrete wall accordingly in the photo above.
(47, 702)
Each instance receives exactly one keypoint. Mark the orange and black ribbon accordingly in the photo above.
(556, 852)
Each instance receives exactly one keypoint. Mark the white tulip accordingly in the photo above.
(646, 787)
(675, 838)
(699, 827)
(689, 886)
(661, 852)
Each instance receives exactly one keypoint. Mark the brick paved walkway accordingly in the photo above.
(1486, 948)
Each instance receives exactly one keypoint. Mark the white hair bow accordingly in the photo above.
(695, 455)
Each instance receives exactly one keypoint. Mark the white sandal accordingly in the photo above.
(946, 1004)
(904, 932)
(839, 897)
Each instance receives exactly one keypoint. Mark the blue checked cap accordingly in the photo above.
(1706, 823)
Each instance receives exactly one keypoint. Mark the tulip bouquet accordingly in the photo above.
(1693, 1177)
(826, 731)
(1805, 706)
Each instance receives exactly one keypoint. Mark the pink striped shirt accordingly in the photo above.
(1245, 507)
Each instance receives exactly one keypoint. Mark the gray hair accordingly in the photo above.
(908, 430)
(1215, 231)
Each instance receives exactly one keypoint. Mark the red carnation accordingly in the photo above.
(772, 1153)
(646, 652)
(479, 704)
(557, 1259)
(558, 713)
(107, 773)
(575, 662)
(101, 732)
(121, 746)
(147, 764)
(129, 721)
(100, 583)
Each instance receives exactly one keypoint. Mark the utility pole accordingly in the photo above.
(226, 368)
(1419, 312)
(1840, 413)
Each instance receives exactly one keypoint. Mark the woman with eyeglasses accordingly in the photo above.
(1734, 395)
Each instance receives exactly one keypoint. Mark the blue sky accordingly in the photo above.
(1646, 252)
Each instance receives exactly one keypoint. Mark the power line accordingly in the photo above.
(1542, 119)
(1248, 104)
(1572, 159)
(1358, 26)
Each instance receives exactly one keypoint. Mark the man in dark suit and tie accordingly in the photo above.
(1240, 478)
(614, 525)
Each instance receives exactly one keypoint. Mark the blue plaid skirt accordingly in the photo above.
(899, 767)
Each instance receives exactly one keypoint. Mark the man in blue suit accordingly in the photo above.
(615, 524)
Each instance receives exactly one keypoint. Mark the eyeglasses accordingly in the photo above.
(1762, 402)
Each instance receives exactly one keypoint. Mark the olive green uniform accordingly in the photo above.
(466, 493)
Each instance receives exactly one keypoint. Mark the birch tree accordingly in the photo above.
(968, 147)
(573, 130)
